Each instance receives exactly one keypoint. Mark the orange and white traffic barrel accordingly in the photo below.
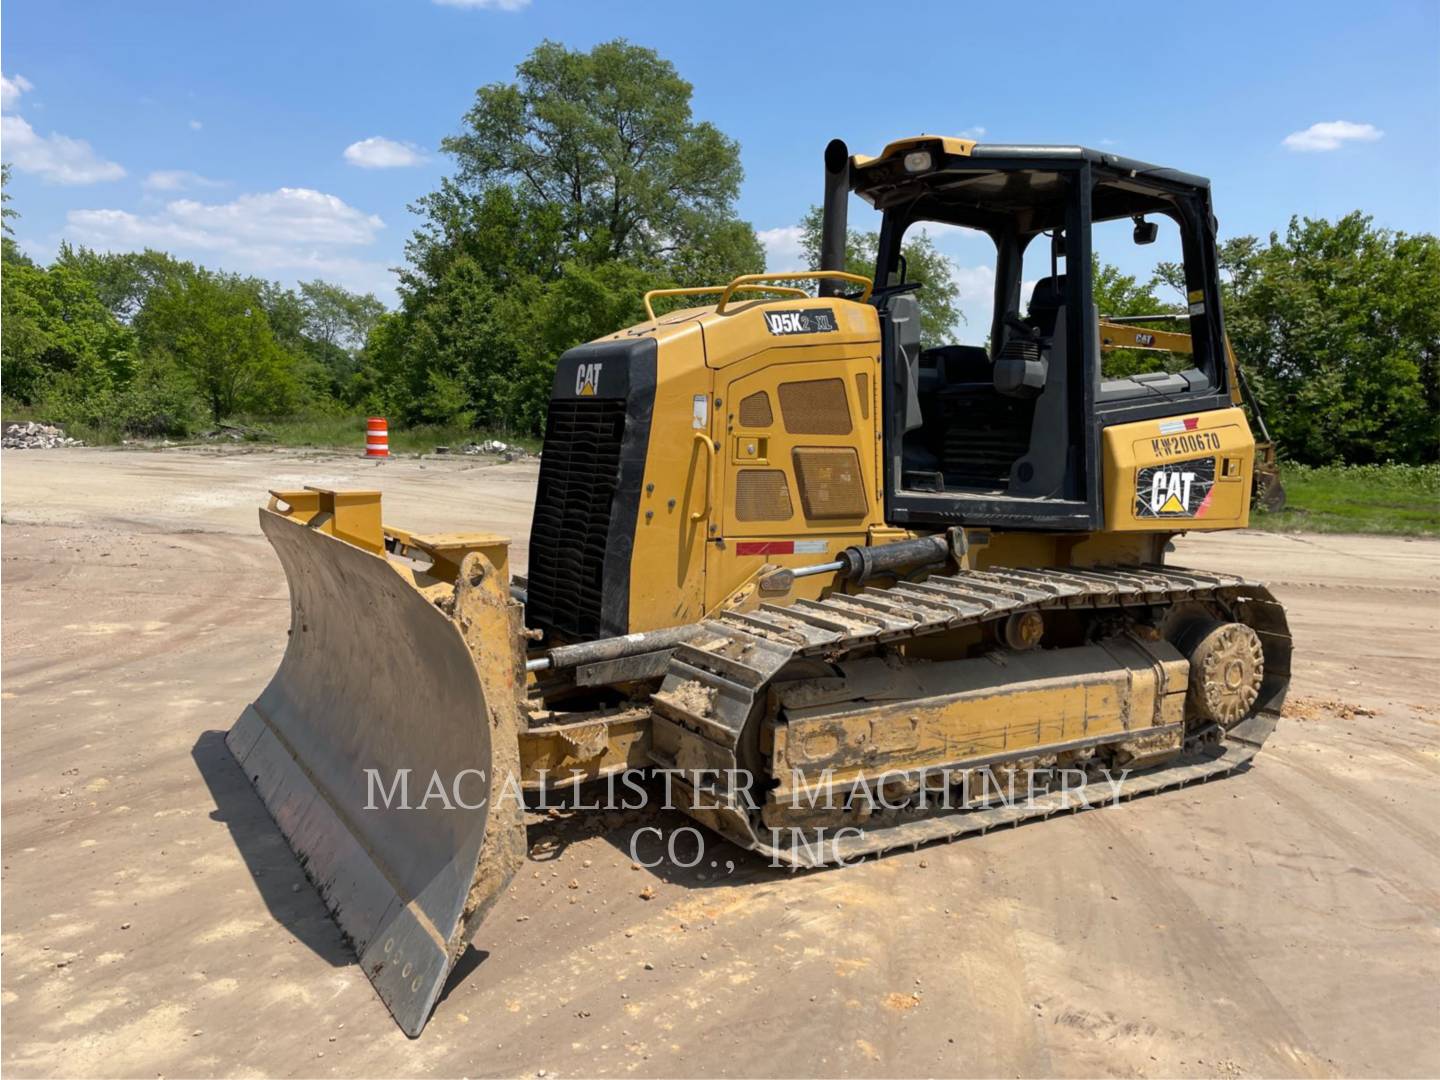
(377, 437)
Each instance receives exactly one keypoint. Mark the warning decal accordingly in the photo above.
(1175, 489)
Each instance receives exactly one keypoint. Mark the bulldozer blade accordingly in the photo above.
(378, 693)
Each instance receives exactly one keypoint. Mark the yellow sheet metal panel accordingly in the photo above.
(353, 516)
(1179, 472)
(874, 717)
(448, 550)
(819, 440)
(947, 143)
(668, 561)
(748, 327)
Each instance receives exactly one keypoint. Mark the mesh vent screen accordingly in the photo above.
(762, 495)
(755, 410)
(830, 482)
(570, 535)
(816, 407)
(862, 390)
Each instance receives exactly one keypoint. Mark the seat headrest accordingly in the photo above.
(1045, 301)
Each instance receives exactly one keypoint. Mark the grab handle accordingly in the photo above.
(710, 451)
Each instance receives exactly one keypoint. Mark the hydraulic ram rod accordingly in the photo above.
(615, 648)
(857, 564)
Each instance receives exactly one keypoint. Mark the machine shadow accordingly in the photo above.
(469, 960)
(277, 874)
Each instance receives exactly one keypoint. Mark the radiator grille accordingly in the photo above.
(815, 407)
(762, 495)
(579, 470)
(830, 482)
(755, 410)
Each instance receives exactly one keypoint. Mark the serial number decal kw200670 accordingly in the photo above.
(1192, 442)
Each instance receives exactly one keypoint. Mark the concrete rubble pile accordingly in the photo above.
(499, 449)
(490, 446)
(33, 435)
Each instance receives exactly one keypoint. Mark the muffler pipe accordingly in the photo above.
(833, 216)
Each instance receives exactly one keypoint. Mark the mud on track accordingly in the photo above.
(1283, 922)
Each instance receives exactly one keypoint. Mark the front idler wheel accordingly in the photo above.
(1227, 668)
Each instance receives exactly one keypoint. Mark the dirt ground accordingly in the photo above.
(1285, 921)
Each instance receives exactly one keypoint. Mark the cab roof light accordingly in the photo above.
(918, 161)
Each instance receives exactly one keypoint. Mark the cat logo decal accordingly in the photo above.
(587, 379)
(1175, 489)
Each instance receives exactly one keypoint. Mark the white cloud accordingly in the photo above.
(940, 231)
(784, 250)
(54, 157)
(1331, 135)
(287, 217)
(11, 89)
(196, 125)
(378, 152)
(976, 132)
(290, 232)
(486, 5)
(178, 180)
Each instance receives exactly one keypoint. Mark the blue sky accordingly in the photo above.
(220, 131)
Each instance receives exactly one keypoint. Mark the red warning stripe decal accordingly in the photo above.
(765, 547)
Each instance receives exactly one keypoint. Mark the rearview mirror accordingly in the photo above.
(1145, 231)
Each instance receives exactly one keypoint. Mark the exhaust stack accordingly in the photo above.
(833, 221)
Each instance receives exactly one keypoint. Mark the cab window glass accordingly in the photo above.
(1138, 271)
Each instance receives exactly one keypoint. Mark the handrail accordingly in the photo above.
(710, 452)
(798, 275)
(701, 290)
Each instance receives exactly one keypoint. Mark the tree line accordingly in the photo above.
(146, 344)
(578, 186)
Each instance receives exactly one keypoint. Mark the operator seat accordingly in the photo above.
(1045, 303)
(1022, 365)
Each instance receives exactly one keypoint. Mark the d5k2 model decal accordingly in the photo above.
(1175, 489)
(811, 321)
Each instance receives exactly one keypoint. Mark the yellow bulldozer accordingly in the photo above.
(816, 570)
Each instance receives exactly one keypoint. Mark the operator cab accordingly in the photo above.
(1007, 433)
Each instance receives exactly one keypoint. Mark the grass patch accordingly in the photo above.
(1398, 500)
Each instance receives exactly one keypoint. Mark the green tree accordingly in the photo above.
(1118, 293)
(333, 325)
(335, 316)
(939, 296)
(577, 187)
(1338, 325)
(11, 252)
(57, 337)
(213, 328)
(122, 280)
(608, 139)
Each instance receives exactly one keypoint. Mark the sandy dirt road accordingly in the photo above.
(1282, 922)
